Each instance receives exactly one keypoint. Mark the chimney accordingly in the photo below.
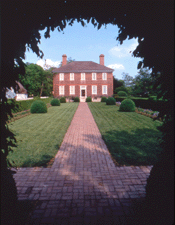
(64, 60)
(102, 59)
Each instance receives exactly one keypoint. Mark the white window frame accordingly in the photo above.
(94, 92)
(61, 76)
(104, 76)
(61, 93)
(70, 90)
(94, 76)
(83, 76)
(71, 76)
(103, 89)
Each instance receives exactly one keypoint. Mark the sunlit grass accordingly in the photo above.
(131, 138)
(39, 136)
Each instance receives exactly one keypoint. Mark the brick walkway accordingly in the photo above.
(83, 186)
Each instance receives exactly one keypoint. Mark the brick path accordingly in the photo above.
(83, 186)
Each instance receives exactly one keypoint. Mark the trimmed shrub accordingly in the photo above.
(38, 106)
(76, 99)
(55, 102)
(110, 101)
(63, 100)
(122, 93)
(103, 99)
(88, 99)
(127, 105)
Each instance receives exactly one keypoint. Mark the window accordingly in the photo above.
(104, 76)
(93, 76)
(61, 76)
(71, 76)
(61, 90)
(72, 90)
(94, 90)
(104, 89)
(82, 76)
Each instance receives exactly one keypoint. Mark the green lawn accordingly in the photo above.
(39, 136)
(131, 138)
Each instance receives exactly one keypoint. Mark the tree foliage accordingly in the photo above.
(36, 80)
(149, 21)
(117, 83)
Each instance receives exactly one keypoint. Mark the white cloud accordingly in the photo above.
(122, 51)
(117, 66)
(46, 64)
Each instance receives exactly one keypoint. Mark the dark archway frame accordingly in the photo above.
(149, 21)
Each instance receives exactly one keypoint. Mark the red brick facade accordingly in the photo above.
(68, 79)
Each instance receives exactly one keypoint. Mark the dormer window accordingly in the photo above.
(71, 76)
(82, 76)
(61, 76)
(94, 76)
(104, 76)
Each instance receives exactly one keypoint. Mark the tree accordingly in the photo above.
(143, 83)
(149, 21)
(36, 80)
(117, 83)
(128, 80)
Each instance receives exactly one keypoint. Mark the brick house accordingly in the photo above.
(83, 79)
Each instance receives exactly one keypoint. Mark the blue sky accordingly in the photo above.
(86, 44)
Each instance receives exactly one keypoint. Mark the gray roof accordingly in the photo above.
(82, 66)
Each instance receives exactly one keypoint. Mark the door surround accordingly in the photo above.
(83, 98)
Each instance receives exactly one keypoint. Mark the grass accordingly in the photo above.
(39, 136)
(131, 138)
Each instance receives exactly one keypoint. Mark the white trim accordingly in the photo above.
(61, 76)
(83, 75)
(94, 91)
(61, 92)
(71, 76)
(83, 87)
(73, 90)
(104, 76)
(94, 76)
(104, 93)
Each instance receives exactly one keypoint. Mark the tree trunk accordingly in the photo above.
(41, 91)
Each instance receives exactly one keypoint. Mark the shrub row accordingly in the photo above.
(55, 102)
(155, 105)
(110, 101)
(19, 106)
(127, 105)
(88, 99)
(38, 106)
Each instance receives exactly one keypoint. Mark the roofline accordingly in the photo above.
(83, 71)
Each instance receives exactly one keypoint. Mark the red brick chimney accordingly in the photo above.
(64, 60)
(102, 60)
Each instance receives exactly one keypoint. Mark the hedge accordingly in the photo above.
(155, 105)
(25, 104)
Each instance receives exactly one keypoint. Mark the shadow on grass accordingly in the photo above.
(139, 147)
(41, 161)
